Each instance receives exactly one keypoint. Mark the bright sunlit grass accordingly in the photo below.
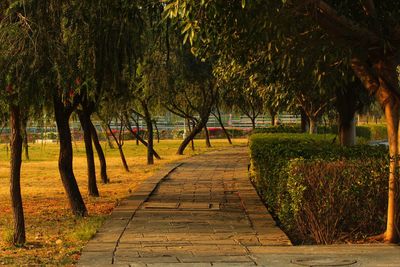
(54, 236)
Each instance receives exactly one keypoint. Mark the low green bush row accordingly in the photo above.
(321, 192)
(367, 132)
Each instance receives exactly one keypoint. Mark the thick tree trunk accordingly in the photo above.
(347, 132)
(313, 125)
(100, 154)
(305, 122)
(84, 118)
(15, 176)
(346, 105)
(65, 160)
(392, 121)
(208, 142)
(24, 123)
(195, 131)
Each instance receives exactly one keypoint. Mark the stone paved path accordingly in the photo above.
(206, 213)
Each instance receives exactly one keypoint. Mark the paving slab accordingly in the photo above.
(205, 212)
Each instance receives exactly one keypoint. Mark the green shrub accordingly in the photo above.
(305, 178)
(279, 129)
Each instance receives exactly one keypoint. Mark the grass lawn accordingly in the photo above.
(54, 236)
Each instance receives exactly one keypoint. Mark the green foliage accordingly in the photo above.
(320, 191)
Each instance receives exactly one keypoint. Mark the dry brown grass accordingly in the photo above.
(54, 236)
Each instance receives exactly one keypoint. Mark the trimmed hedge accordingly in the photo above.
(321, 192)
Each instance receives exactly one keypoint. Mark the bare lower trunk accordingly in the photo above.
(305, 122)
(347, 133)
(137, 129)
(392, 120)
(119, 144)
(84, 118)
(100, 154)
(123, 159)
(253, 123)
(138, 137)
(15, 176)
(195, 131)
(313, 125)
(150, 150)
(65, 160)
(208, 142)
(219, 119)
(24, 122)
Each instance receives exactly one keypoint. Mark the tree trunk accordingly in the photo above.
(65, 160)
(392, 121)
(84, 119)
(208, 143)
(313, 125)
(121, 153)
(347, 132)
(138, 137)
(150, 141)
(150, 133)
(383, 82)
(100, 154)
(253, 123)
(196, 130)
(219, 119)
(305, 122)
(137, 130)
(157, 131)
(15, 176)
(119, 145)
(24, 123)
(273, 117)
(109, 142)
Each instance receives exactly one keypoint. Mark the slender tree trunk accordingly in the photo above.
(196, 130)
(208, 143)
(157, 131)
(24, 122)
(219, 119)
(109, 142)
(84, 118)
(121, 153)
(305, 122)
(150, 141)
(253, 123)
(272, 113)
(119, 145)
(100, 154)
(190, 129)
(15, 176)
(141, 140)
(137, 130)
(65, 160)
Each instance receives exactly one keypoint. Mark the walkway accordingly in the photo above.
(205, 212)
